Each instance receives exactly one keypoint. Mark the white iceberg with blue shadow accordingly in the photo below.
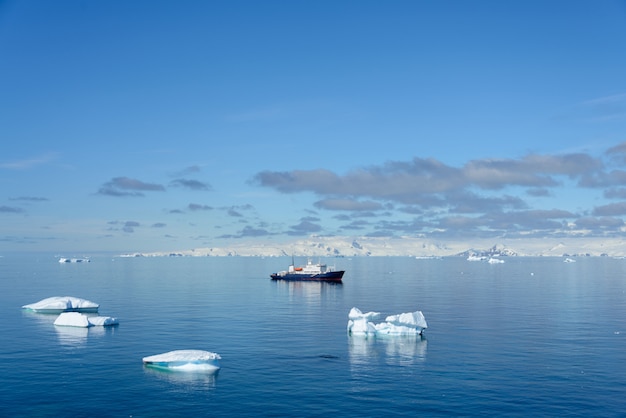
(58, 304)
(77, 319)
(411, 323)
(185, 360)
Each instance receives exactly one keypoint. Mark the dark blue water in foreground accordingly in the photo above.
(532, 336)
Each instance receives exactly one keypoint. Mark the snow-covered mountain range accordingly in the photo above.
(317, 246)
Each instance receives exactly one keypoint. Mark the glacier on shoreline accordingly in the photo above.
(410, 323)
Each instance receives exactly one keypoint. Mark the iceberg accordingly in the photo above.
(411, 323)
(58, 304)
(77, 319)
(185, 360)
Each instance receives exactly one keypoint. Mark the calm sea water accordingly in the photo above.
(532, 336)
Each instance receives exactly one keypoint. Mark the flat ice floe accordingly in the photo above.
(185, 360)
(73, 260)
(411, 323)
(58, 304)
(77, 319)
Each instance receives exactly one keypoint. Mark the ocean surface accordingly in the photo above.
(529, 337)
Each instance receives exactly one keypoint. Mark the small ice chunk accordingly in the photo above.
(77, 319)
(73, 260)
(57, 304)
(476, 258)
(185, 360)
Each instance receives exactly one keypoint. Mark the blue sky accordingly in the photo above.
(153, 125)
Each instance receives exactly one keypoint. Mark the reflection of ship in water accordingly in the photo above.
(195, 380)
(309, 291)
(401, 350)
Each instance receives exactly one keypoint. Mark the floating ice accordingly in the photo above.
(58, 304)
(74, 260)
(495, 261)
(185, 360)
(77, 319)
(412, 323)
(476, 258)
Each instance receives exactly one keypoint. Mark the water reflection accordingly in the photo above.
(402, 350)
(306, 291)
(195, 380)
(405, 350)
(70, 336)
(77, 336)
(41, 318)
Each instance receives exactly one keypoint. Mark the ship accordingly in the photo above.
(309, 272)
